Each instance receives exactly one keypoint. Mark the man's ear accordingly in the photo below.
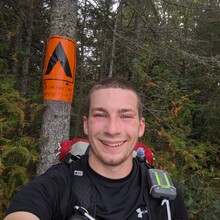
(85, 125)
(141, 128)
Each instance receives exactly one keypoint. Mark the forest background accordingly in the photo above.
(169, 50)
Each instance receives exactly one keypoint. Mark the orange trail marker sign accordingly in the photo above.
(59, 69)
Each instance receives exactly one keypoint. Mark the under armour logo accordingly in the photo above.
(78, 173)
(140, 213)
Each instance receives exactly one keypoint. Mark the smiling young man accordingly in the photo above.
(113, 126)
(108, 182)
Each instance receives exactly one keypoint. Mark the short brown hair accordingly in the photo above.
(116, 83)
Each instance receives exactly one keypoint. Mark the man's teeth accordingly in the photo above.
(113, 145)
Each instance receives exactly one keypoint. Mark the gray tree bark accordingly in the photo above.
(56, 118)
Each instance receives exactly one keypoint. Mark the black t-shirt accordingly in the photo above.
(120, 198)
(51, 195)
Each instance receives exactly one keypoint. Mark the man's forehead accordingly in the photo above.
(109, 91)
(123, 95)
(119, 100)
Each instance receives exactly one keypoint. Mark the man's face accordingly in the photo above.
(113, 126)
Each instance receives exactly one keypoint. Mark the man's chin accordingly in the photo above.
(114, 161)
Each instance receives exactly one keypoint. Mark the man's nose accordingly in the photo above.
(112, 126)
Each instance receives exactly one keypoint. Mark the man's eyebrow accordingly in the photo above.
(98, 109)
(124, 110)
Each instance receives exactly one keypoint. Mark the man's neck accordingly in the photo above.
(111, 171)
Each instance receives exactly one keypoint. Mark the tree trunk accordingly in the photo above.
(56, 118)
(17, 47)
(111, 66)
(81, 71)
(29, 11)
(138, 30)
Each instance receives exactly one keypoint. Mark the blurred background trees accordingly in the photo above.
(169, 50)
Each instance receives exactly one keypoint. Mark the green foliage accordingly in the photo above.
(11, 107)
(183, 144)
(17, 162)
(18, 151)
(202, 197)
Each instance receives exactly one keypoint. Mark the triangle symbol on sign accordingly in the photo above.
(59, 55)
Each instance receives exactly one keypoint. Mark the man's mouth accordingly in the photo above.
(113, 144)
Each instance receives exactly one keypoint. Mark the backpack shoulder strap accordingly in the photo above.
(70, 158)
(82, 189)
(149, 201)
(154, 203)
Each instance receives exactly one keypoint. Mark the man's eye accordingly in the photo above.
(100, 115)
(126, 116)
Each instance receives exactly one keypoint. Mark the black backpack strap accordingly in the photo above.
(70, 158)
(87, 150)
(156, 210)
(82, 189)
(147, 196)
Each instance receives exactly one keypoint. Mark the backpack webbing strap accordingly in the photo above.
(83, 190)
